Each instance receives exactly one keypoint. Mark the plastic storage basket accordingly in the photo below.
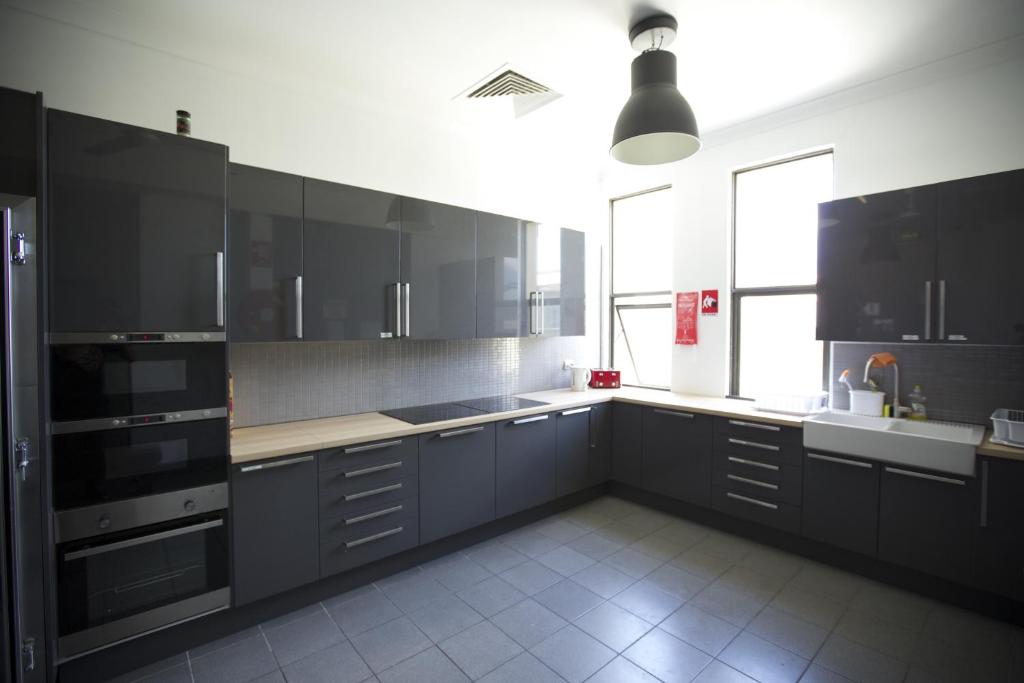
(1008, 427)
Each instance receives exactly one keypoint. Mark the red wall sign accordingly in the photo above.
(686, 317)
(709, 302)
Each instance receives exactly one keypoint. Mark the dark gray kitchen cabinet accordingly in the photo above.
(627, 443)
(998, 557)
(926, 521)
(677, 454)
(600, 460)
(457, 480)
(501, 305)
(350, 262)
(274, 526)
(526, 469)
(555, 280)
(265, 255)
(840, 501)
(137, 223)
(438, 270)
(573, 450)
(19, 142)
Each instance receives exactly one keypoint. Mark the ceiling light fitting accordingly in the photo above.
(656, 125)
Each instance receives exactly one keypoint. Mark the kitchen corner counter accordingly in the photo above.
(997, 450)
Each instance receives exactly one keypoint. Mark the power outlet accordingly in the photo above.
(568, 364)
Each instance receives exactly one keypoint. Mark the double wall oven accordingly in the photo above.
(139, 468)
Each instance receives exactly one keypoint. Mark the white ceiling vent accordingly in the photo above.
(525, 93)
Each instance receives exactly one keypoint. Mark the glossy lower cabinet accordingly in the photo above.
(599, 467)
(999, 534)
(840, 501)
(502, 308)
(677, 454)
(274, 526)
(136, 228)
(573, 450)
(265, 255)
(627, 443)
(526, 463)
(457, 480)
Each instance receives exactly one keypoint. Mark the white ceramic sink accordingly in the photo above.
(941, 446)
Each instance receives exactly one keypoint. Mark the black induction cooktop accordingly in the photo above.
(500, 404)
(435, 412)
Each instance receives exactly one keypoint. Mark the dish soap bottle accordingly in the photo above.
(917, 400)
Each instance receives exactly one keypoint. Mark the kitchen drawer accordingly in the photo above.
(759, 448)
(783, 486)
(760, 465)
(366, 543)
(342, 496)
(756, 508)
(752, 430)
(360, 456)
(357, 518)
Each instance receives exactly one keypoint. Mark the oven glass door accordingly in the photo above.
(90, 468)
(109, 578)
(93, 381)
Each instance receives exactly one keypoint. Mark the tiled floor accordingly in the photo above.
(613, 592)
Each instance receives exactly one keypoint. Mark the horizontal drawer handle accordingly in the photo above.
(752, 501)
(142, 540)
(375, 468)
(754, 444)
(840, 461)
(276, 463)
(674, 413)
(373, 492)
(929, 477)
(375, 537)
(373, 515)
(753, 482)
(460, 432)
(756, 425)
(528, 420)
(372, 447)
(754, 463)
(576, 411)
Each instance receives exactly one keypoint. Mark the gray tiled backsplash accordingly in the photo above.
(962, 383)
(306, 380)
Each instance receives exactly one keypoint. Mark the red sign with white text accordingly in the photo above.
(686, 317)
(709, 302)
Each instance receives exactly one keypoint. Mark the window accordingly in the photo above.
(641, 287)
(774, 305)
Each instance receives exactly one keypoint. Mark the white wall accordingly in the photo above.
(958, 118)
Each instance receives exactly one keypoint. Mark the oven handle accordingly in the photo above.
(131, 542)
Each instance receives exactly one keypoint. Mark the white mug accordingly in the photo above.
(581, 378)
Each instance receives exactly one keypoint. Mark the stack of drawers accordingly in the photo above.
(369, 503)
(758, 472)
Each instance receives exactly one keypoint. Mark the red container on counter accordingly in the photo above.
(605, 379)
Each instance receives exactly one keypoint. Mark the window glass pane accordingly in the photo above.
(777, 222)
(642, 344)
(778, 351)
(642, 243)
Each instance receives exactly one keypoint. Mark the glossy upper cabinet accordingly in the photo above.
(555, 281)
(350, 262)
(265, 255)
(137, 228)
(438, 256)
(876, 267)
(979, 276)
(501, 302)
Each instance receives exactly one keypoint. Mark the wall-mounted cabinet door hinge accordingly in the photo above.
(28, 654)
(18, 248)
(21, 447)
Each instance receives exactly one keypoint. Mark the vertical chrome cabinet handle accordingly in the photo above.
(928, 309)
(942, 309)
(398, 309)
(984, 493)
(298, 306)
(533, 312)
(18, 257)
(407, 288)
(540, 313)
(220, 289)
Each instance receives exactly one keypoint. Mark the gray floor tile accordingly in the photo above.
(676, 581)
(702, 630)
(292, 616)
(632, 562)
(771, 562)
(272, 677)
(743, 579)
(480, 649)
(667, 657)
(429, 666)
(785, 630)
(491, 596)
(648, 520)
(530, 542)
(215, 645)
(613, 626)
(176, 674)
(528, 622)
(718, 672)
(819, 674)
(572, 654)
(496, 557)
(568, 599)
(160, 666)
(735, 606)
(604, 580)
(892, 604)
(524, 667)
(337, 664)
(594, 546)
(241, 661)
(414, 592)
(614, 507)
(878, 634)
(561, 530)
(368, 589)
(531, 577)
(661, 549)
(445, 617)
(587, 518)
(457, 572)
(702, 564)
(647, 601)
(814, 608)
(957, 661)
(302, 637)
(621, 670)
(565, 560)
(621, 533)
(827, 582)
(859, 663)
(762, 660)
(388, 644)
(725, 546)
(363, 613)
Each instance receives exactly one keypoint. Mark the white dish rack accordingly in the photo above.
(793, 404)
(1008, 427)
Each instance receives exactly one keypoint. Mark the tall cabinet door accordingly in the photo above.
(572, 298)
(501, 309)
(265, 243)
(438, 270)
(350, 262)
(137, 228)
(981, 239)
(876, 267)
(555, 280)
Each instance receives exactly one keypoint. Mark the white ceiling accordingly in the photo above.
(738, 59)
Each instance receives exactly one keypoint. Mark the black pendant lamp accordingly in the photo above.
(656, 125)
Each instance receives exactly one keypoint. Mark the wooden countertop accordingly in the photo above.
(269, 441)
(998, 450)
